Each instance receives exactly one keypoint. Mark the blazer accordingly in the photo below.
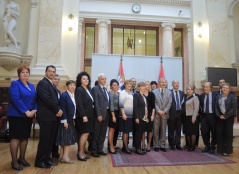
(101, 102)
(47, 98)
(162, 104)
(202, 98)
(21, 99)
(191, 106)
(173, 111)
(138, 106)
(84, 103)
(230, 106)
(67, 106)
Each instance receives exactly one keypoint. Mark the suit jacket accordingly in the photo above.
(230, 106)
(202, 98)
(138, 106)
(21, 99)
(84, 103)
(48, 104)
(67, 106)
(101, 102)
(162, 104)
(173, 111)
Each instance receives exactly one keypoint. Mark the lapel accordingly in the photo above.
(173, 96)
(160, 97)
(69, 98)
(103, 92)
(51, 86)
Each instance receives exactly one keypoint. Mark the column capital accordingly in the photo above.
(166, 25)
(188, 28)
(33, 3)
(80, 21)
(103, 22)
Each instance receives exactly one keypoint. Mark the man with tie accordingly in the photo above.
(175, 118)
(101, 105)
(133, 84)
(163, 101)
(208, 119)
(47, 114)
(55, 149)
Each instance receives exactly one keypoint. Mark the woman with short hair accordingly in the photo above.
(22, 108)
(225, 112)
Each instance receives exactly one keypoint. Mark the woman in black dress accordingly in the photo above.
(225, 112)
(66, 134)
(84, 112)
(114, 109)
(151, 111)
(140, 111)
(190, 109)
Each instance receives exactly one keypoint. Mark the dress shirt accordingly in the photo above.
(210, 103)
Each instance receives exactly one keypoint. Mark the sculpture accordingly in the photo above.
(12, 11)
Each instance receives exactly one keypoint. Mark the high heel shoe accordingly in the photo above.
(23, 162)
(127, 151)
(81, 159)
(16, 167)
(115, 152)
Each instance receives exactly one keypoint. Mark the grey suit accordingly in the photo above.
(101, 104)
(160, 122)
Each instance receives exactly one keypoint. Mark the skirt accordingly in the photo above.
(126, 126)
(19, 127)
(188, 127)
(111, 123)
(149, 125)
(82, 127)
(66, 137)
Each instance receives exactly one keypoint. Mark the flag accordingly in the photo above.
(121, 78)
(161, 73)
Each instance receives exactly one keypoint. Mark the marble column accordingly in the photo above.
(80, 53)
(33, 30)
(189, 66)
(103, 36)
(167, 39)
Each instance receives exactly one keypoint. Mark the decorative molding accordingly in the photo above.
(80, 21)
(10, 61)
(167, 2)
(33, 3)
(188, 28)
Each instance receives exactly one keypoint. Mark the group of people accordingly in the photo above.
(82, 114)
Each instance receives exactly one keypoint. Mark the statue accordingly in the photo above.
(12, 11)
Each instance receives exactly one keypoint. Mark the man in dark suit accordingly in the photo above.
(101, 104)
(208, 119)
(55, 149)
(133, 84)
(175, 118)
(48, 111)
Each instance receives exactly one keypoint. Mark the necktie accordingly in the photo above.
(207, 104)
(177, 101)
(105, 95)
(162, 93)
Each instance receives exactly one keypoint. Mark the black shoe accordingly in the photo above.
(95, 155)
(16, 167)
(212, 151)
(82, 159)
(186, 148)
(23, 162)
(172, 148)
(179, 148)
(140, 152)
(205, 150)
(163, 149)
(102, 152)
(42, 165)
(87, 157)
(191, 149)
(115, 152)
(126, 151)
(156, 149)
(50, 163)
(148, 150)
(57, 155)
(225, 154)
